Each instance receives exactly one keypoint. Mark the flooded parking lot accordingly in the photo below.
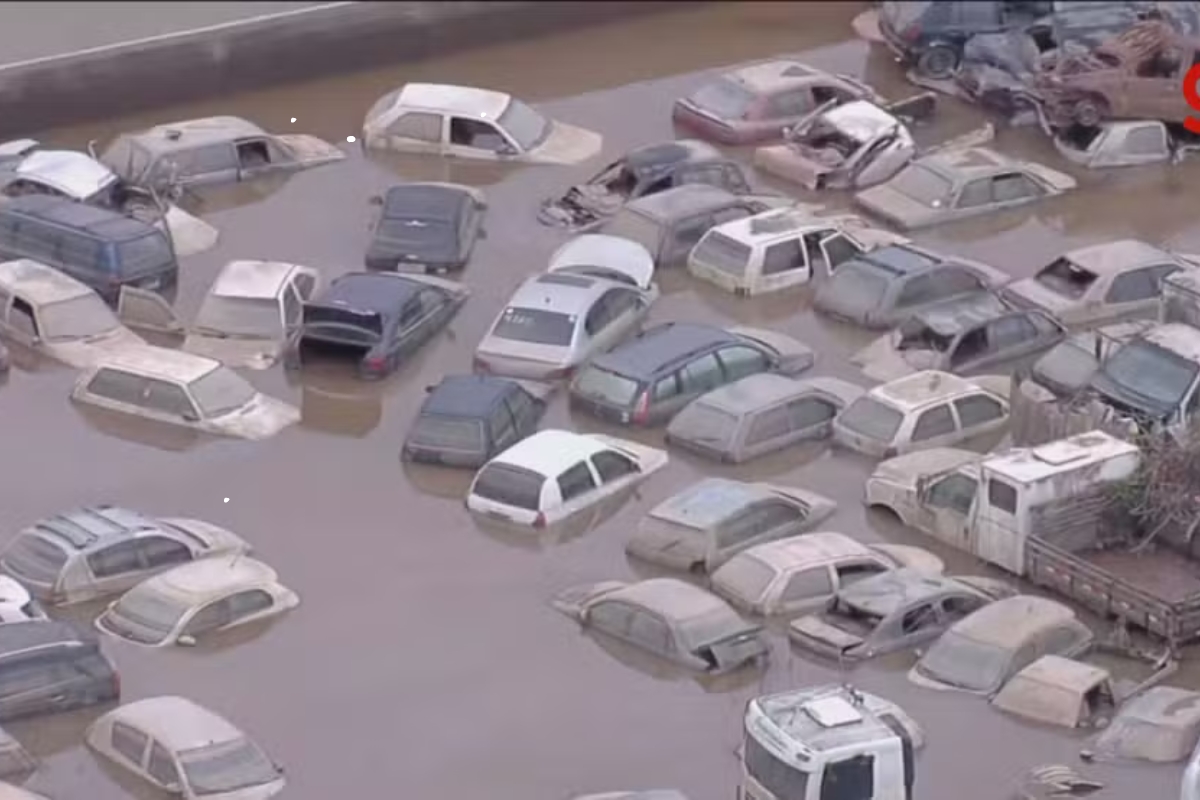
(424, 658)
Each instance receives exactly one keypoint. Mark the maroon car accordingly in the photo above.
(754, 104)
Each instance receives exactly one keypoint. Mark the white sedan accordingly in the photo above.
(441, 119)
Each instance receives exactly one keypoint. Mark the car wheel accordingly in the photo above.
(1090, 111)
(938, 61)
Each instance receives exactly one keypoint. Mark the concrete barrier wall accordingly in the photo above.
(280, 48)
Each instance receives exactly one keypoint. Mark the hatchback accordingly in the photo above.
(426, 227)
(47, 667)
(646, 380)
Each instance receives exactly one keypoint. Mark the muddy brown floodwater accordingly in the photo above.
(424, 660)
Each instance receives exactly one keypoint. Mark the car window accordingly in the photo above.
(808, 584)
(20, 317)
(37, 240)
(1012, 187)
(79, 249)
(768, 425)
(650, 632)
(918, 619)
(251, 601)
(978, 409)
(837, 249)
(959, 606)
(1002, 496)
(666, 388)
(431, 301)
(161, 767)
(166, 398)
(207, 159)
(129, 742)
(955, 492)
(918, 290)
(613, 466)
(783, 257)
(808, 411)
(598, 316)
(685, 235)
(973, 344)
(1146, 140)
(116, 559)
(305, 285)
(119, 386)
(212, 616)
(701, 374)
(856, 571)
(523, 408)
(159, 551)
(417, 125)
(576, 481)
(794, 102)
(501, 424)
(611, 616)
(740, 361)
(932, 423)
(823, 94)
(1138, 284)
(952, 281)
(757, 520)
(1011, 331)
(476, 133)
(976, 193)
(410, 313)
(293, 308)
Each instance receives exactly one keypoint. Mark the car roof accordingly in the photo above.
(18, 636)
(1113, 258)
(100, 221)
(767, 76)
(1168, 706)
(80, 528)
(680, 201)
(1030, 464)
(76, 174)
(660, 156)
(1064, 673)
(861, 119)
(781, 223)
(949, 318)
(1181, 339)
(672, 598)
(889, 591)
(753, 392)
(656, 347)
(1009, 623)
(381, 292)
(550, 452)
(39, 283)
(834, 717)
(471, 396)
(204, 578)
(921, 389)
(159, 362)
(185, 134)
(807, 549)
(441, 201)
(705, 503)
(566, 293)
(263, 280)
(474, 102)
(176, 722)
(965, 163)
(901, 259)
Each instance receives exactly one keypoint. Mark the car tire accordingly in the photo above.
(1090, 111)
(938, 61)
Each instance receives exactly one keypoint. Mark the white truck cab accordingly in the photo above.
(828, 743)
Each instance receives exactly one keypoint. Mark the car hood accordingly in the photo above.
(567, 144)
(668, 545)
(261, 418)
(311, 151)
(896, 208)
(813, 627)
(244, 353)
(597, 253)
(260, 792)
(82, 354)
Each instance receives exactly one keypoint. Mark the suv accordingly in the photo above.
(47, 667)
(103, 249)
(648, 379)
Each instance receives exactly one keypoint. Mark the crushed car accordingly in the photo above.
(1161, 725)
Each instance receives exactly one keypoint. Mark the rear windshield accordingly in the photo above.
(146, 254)
(705, 425)
(922, 185)
(448, 433)
(719, 251)
(535, 326)
(34, 558)
(511, 485)
(607, 386)
(357, 326)
(1066, 278)
(724, 98)
(745, 577)
(868, 417)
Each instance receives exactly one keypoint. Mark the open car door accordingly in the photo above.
(139, 308)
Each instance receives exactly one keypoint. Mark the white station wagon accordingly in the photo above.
(441, 119)
(554, 474)
(183, 389)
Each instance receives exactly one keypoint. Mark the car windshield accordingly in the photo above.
(144, 615)
(966, 663)
(535, 326)
(448, 433)
(604, 385)
(221, 391)
(780, 778)
(723, 97)
(1144, 371)
(226, 767)
(704, 425)
(526, 126)
(868, 417)
(510, 485)
(78, 318)
(1066, 278)
(249, 317)
(416, 232)
(35, 559)
(858, 285)
(922, 185)
(721, 252)
(744, 577)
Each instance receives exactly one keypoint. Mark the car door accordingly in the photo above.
(160, 766)
(128, 744)
(19, 321)
(652, 633)
(616, 471)
(934, 427)
(702, 374)
(1012, 189)
(115, 567)
(502, 428)
(248, 605)
(1009, 339)
(167, 402)
(944, 508)
(199, 166)
(767, 430)
(208, 618)
(525, 410)
(611, 617)
(260, 155)
(980, 413)
(139, 308)
(418, 132)
(577, 485)
(919, 624)
(422, 324)
(811, 418)
(479, 139)
(827, 249)
(784, 264)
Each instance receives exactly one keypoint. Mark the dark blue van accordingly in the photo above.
(103, 249)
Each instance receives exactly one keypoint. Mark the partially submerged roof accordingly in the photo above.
(808, 549)
(1111, 258)
(947, 319)
(380, 292)
(441, 201)
(922, 389)
(263, 280)
(771, 75)
(861, 119)
(900, 259)
(1063, 673)
(827, 717)
(1181, 339)
(1053, 690)
(189, 133)
(160, 362)
(550, 452)
(201, 579)
(466, 100)
(1027, 465)
(662, 155)
(39, 283)
(1162, 724)
(674, 599)
(640, 357)
(965, 163)
(79, 528)
(765, 388)
(680, 201)
(704, 504)
(1009, 623)
(906, 468)
(75, 174)
(884, 593)
(100, 221)
(468, 396)
(178, 723)
(22, 636)
(780, 223)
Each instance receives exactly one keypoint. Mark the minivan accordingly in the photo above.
(47, 667)
(100, 248)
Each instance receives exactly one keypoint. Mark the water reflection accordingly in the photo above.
(206, 200)
(333, 400)
(470, 172)
(443, 482)
(50, 735)
(152, 433)
(524, 537)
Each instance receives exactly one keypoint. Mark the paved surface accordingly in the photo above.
(40, 30)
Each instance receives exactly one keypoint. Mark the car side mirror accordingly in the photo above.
(376, 200)
(186, 640)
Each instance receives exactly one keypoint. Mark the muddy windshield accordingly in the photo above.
(966, 663)
(250, 317)
(705, 425)
(721, 252)
(1066, 278)
(745, 577)
(868, 417)
(922, 185)
(723, 97)
(522, 123)
(144, 615)
(34, 559)
(221, 391)
(448, 433)
(535, 326)
(1147, 376)
(226, 767)
(78, 318)
(417, 232)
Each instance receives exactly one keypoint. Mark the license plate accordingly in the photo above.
(499, 516)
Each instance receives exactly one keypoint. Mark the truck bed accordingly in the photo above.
(1164, 574)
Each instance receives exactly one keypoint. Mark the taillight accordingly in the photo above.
(540, 520)
(375, 364)
(641, 414)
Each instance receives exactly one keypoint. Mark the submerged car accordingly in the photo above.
(49, 667)
(980, 653)
(596, 292)
(426, 227)
(883, 287)
(554, 474)
(801, 573)
(188, 602)
(1100, 283)
(1060, 691)
(643, 171)
(781, 248)
(212, 151)
(467, 419)
(377, 319)
(183, 748)
(752, 104)
(178, 388)
(670, 619)
(17, 604)
(466, 122)
(706, 524)
(649, 378)
(1161, 725)
(670, 223)
(1124, 143)
(960, 183)
(976, 335)
(759, 414)
(896, 610)
(91, 552)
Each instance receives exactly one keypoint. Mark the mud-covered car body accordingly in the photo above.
(426, 227)
(1060, 691)
(1161, 725)
(642, 171)
(1124, 143)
